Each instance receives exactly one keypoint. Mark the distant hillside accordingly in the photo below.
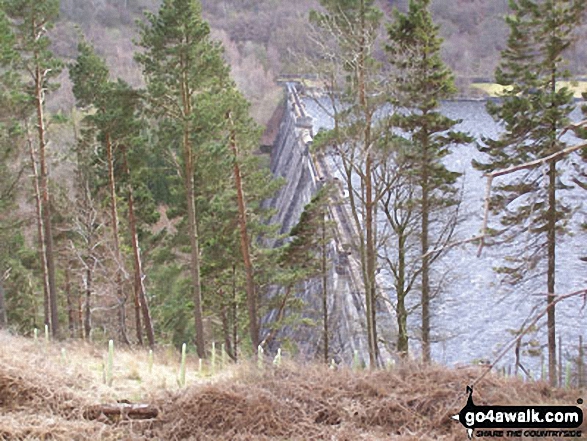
(263, 38)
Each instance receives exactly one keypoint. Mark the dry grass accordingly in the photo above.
(41, 397)
(311, 402)
(44, 390)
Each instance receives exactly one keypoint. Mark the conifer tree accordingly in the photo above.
(241, 192)
(182, 68)
(533, 110)
(191, 94)
(31, 20)
(8, 179)
(115, 119)
(306, 255)
(245, 241)
(421, 81)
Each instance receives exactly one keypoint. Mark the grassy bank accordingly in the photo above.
(496, 90)
(45, 395)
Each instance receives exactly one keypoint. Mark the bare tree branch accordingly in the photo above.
(523, 331)
(525, 166)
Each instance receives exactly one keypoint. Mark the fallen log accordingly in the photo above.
(121, 411)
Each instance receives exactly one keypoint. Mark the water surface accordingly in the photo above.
(476, 313)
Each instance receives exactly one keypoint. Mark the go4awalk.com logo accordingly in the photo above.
(518, 421)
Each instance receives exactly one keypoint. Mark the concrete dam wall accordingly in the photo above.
(304, 173)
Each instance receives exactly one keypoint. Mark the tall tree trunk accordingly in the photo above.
(370, 259)
(3, 313)
(370, 288)
(426, 356)
(137, 305)
(117, 254)
(325, 292)
(80, 317)
(189, 169)
(234, 314)
(45, 199)
(137, 282)
(226, 330)
(402, 314)
(88, 305)
(40, 234)
(551, 317)
(194, 244)
(245, 249)
(122, 321)
(139, 285)
(551, 246)
(70, 304)
(86, 208)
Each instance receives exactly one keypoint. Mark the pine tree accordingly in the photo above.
(250, 183)
(118, 127)
(305, 257)
(19, 267)
(8, 179)
(422, 80)
(245, 241)
(191, 94)
(533, 111)
(181, 66)
(31, 20)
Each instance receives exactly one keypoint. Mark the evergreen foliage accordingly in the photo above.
(534, 110)
(30, 22)
(161, 191)
(119, 130)
(184, 70)
(420, 82)
(206, 133)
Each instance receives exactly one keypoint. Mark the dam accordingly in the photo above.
(475, 313)
(304, 172)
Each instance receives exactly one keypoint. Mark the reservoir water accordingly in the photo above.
(476, 312)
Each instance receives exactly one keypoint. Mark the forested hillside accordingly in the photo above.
(265, 38)
(96, 194)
